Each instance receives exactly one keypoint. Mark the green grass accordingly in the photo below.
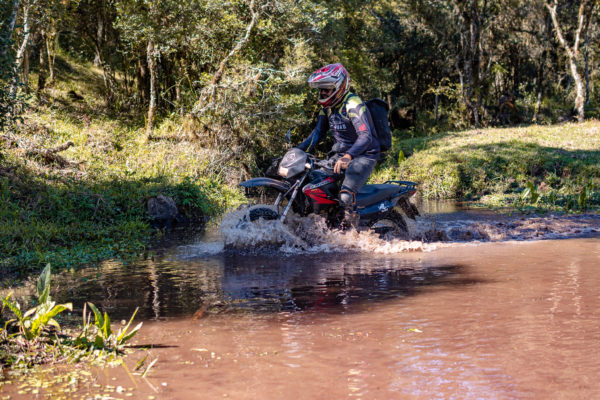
(560, 165)
(95, 207)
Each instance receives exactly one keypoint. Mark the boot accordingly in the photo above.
(351, 219)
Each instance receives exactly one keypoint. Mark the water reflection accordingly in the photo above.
(166, 288)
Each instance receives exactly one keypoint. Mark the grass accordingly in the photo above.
(553, 168)
(94, 206)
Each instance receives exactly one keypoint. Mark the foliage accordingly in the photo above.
(35, 321)
(8, 75)
(37, 329)
(94, 207)
(104, 337)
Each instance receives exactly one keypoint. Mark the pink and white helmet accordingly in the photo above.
(332, 76)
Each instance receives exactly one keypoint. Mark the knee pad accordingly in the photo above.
(347, 198)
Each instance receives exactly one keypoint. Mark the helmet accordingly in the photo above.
(332, 76)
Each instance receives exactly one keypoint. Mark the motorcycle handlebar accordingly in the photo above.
(326, 164)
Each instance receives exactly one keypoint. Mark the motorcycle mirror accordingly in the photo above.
(288, 136)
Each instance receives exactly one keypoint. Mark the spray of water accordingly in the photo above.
(311, 235)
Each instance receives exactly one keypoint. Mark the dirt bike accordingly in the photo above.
(309, 186)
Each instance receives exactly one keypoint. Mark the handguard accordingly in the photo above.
(281, 186)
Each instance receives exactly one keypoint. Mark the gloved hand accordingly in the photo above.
(342, 164)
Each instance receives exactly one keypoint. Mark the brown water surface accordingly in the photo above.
(507, 320)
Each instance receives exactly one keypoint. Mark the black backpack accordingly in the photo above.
(379, 114)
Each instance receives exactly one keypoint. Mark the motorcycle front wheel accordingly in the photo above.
(262, 211)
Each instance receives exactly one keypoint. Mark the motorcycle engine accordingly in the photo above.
(293, 163)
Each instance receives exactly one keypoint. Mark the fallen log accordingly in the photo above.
(50, 155)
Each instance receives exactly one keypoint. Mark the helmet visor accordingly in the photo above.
(326, 93)
(322, 84)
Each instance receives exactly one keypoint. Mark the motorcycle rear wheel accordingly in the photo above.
(390, 225)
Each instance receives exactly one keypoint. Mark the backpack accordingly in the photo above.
(379, 114)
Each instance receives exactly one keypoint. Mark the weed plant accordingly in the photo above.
(34, 336)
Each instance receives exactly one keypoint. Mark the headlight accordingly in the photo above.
(283, 171)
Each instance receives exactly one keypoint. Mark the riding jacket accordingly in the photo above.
(351, 126)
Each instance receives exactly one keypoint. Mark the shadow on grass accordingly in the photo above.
(88, 84)
(67, 222)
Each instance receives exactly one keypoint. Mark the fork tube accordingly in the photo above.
(278, 200)
(292, 197)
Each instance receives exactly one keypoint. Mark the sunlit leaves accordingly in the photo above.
(34, 321)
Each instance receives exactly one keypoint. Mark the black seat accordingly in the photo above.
(371, 194)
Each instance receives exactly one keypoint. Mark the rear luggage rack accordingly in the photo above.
(409, 185)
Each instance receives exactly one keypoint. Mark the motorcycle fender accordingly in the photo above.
(281, 186)
(377, 208)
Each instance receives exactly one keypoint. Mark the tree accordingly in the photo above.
(93, 20)
(578, 30)
(8, 13)
(28, 6)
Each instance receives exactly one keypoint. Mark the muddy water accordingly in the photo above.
(468, 318)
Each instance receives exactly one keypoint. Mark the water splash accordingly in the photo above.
(311, 235)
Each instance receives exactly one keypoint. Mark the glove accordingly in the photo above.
(342, 164)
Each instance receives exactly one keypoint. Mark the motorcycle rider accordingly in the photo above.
(347, 117)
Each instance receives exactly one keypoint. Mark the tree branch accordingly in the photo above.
(219, 74)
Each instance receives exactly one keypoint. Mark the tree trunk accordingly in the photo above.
(42, 70)
(143, 84)
(51, 49)
(583, 21)
(540, 74)
(151, 56)
(178, 99)
(437, 107)
(219, 74)
(98, 59)
(10, 27)
(26, 70)
(21, 51)
(472, 60)
(579, 96)
(587, 71)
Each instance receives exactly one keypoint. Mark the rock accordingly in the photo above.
(162, 211)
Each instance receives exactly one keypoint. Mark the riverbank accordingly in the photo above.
(75, 179)
(528, 168)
